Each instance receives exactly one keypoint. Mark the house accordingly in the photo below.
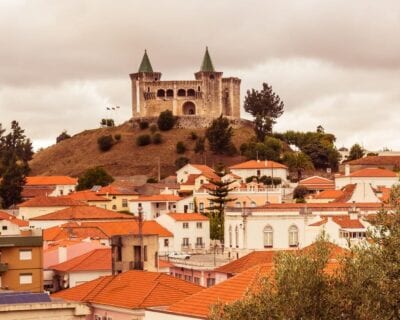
(258, 168)
(198, 305)
(77, 214)
(119, 196)
(376, 177)
(191, 231)
(86, 267)
(283, 225)
(56, 185)
(104, 230)
(43, 204)
(91, 198)
(154, 206)
(128, 294)
(21, 263)
(10, 225)
(135, 252)
(28, 306)
(388, 162)
(316, 184)
(182, 175)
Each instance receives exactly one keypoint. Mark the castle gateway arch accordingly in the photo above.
(189, 108)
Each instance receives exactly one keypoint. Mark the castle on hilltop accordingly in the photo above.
(210, 95)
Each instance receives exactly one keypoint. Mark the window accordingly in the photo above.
(185, 242)
(199, 225)
(61, 192)
(25, 254)
(178, 275)
(268, 237)
(196, 280)
(238, 204)
(201, 207)
(253, 204)
(170, 93)
(210, 282)
(188, 278)
(258, 173)
(114, 197)
(144, 253)
(97, 317)
(166, 242)
(185, 225)
(157, 205)
(124, 203)
(199, 241)
(25, 278)
(237, 237)
(4, 228)
(293, 236)
(191, 206)
(181, 93)
(230, 236)
(114, 207)
(119, 253)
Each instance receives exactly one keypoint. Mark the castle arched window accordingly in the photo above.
(293, 236)
(198, 88)
(191, 93)
(189, 108)
(230, 236)
(161, 93)
(253, 204)
(268, 237)
(237, 237)
(212, 77)
(181, 93)
(170, 93)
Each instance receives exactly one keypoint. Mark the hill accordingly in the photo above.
(80, 152)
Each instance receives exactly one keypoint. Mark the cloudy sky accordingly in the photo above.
(334, 63)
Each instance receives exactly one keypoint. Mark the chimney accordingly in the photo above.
(346, 169)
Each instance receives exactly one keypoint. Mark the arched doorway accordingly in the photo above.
(189, 108)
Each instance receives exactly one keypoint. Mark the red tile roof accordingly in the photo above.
(317, 183)
(203, 168)
(132, 290)
(87, 195)
(13, 219)
(343, 221)
(95, 260)
(317, 206)
(347, 193)
(248, 261)
(116, 190)
(50, 180)
(370, 172)
(29, 192)
(187, 216)
(228, 291)
(329, 194)
(43, 201)
(84, 213)
(158, 198)
(257, 164)
(377, 161)
(70, 231)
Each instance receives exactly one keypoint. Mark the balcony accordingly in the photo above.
(199, 245)
(186, 247)
(3, 267)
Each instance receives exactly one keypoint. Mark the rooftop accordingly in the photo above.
(377, 161)
(258, 164)
(50, 180)
(188, 216)
(87, 195)
(13, 219)
(44, 201)
(370, 172)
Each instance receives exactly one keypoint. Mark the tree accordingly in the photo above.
(166, 120)
(63, 136)
(269, 149)
(299, 193)
(180, 147)
(298, 162)
(356, 152)
(219, 135)
(199, 147)
(15, 153)
(105, 142)
(219, 193)
(96, 176)
(265, 106)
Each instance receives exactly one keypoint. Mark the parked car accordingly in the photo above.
(177, 255)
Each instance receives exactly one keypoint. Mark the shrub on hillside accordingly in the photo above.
(107, 123)
(117, 137)
(193, 135)
(105, 142)
(166, 120)
(200, 145)
(157, 138)
(180, 147)
(63, 136)
(181, 162)
(143, 140)
(143, 125)
(94, 177)
(152, 180)
(153, 128)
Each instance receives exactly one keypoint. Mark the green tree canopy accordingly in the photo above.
(219, 135)
(265, 106)
(166, 120)
(270, 149)
(356, 152)
(96, 176)
(298, 162)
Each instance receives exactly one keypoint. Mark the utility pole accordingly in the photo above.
(140, 211)
(159, 169)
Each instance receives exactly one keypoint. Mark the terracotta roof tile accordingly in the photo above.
(329, 194)
(202, 168)
(347, 192)
(187, 216)
(87, 195)
(317, 183)
(116, 190)
(50, 180)
(13, 219)
(43, 201)
(248, 261)
(254, 164)
(29, 192)
(343, 221)
(132, 289)
(84, 213)
(377, 161)
(158, 197)
(370, 172)
(95, 260)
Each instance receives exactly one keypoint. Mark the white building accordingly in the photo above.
(259, 168)
(191, 231)
(61, 185)
(376, 177)
(183, 173)
(154, 206)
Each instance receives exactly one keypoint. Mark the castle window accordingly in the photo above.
(160, 93)
(181, 93)
(198, 88)
(148, 89)
(170, 93)
(189, 108)
(191, 93)
(212, 77)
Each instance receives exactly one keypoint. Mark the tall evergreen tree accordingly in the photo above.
(219, 135)
(219, 192)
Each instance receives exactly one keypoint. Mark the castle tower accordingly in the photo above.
(211, 86)
(139, 92)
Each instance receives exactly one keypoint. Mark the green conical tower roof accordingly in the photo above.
(207, 65)
(145, 65)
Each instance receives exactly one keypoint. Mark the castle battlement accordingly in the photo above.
(209, 95)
